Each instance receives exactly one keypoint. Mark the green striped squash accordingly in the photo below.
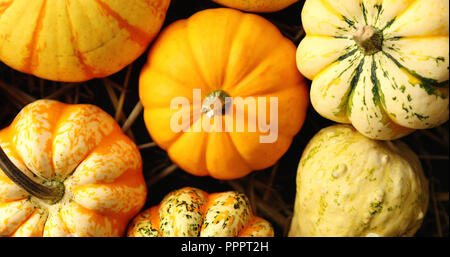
(381, 65)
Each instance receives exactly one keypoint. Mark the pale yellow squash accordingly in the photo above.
(350, 185)
(380, 65)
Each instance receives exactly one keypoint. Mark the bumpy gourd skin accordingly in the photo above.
(349, 185)
(77, 40)
(85, 149)
(387, 93)
(257, 5)
(190, 212)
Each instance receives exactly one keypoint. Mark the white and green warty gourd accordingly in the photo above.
(350, 185)
(381, 65)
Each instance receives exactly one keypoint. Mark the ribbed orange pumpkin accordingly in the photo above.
(77, 40)
(223, 52)
(257, 5)
(191, 212)
(68, 170)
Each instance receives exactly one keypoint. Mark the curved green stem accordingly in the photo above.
(51, 194)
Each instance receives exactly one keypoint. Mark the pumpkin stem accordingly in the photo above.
(50, 194)
(369, 39)
(216, 103)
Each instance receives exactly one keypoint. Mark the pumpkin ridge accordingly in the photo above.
(25, 221)
(63, 223)
(261, 61)
(109, 141)
(394, 125)
(331, 9)
(104, 139)
(86, 68)
(353, 83)
(95, 214)
(379, 7)
(431, 90)
(378, 99)
(193, 57)
(177, 136)
(109, 211)
(99, 46)
(364, 12)
(62, 108)
(376, 90)
(2, 204)
(66, 114)
(239, 154)
(174, 79)
(426, 83)
(343, 103)
(225, 74)
(415, 37)
(339, 59)
(252, 221)
(32, 61)
(238, 86)
(135, 33)
(12, 148)
(403, 11)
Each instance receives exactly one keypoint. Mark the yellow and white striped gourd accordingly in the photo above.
(382, 65)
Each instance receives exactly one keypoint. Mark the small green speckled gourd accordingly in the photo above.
(191, 212)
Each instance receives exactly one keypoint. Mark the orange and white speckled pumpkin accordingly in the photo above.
(77, 148)
(191, 212)
(77, 40)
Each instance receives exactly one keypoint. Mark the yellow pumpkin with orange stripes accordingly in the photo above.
(191, 212)
(77, 40)
(68, 170)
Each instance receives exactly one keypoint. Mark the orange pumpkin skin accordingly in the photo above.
(241, 54)
(191, 212)
(82, 147)
(257, 5)
(77, 40)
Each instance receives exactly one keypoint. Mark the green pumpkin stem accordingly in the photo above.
(49, 194)
(208, 103)
(369, 39)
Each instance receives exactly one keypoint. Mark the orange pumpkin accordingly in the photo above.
(77, 40)
(191, 212)
(67, 170)
(257, 5)
(223, 52)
